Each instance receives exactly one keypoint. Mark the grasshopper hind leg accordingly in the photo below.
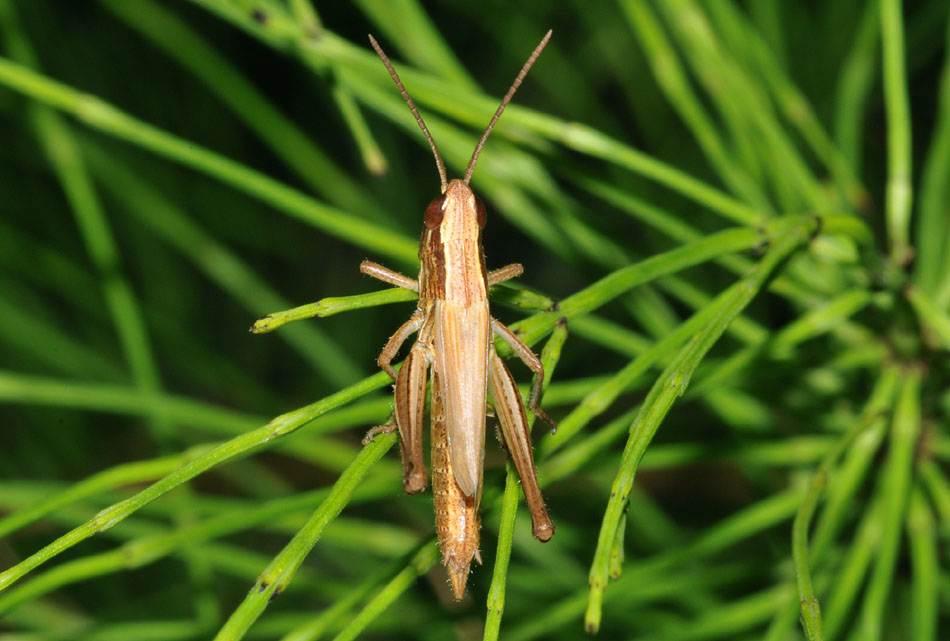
(517, 439)
(410, 400)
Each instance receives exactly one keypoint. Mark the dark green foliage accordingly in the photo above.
(741, 211)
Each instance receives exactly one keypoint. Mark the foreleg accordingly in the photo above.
(505, 273)
(387, 275)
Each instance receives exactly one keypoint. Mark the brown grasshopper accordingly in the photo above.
(455, 342)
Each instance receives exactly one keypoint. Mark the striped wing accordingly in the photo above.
(461, 339)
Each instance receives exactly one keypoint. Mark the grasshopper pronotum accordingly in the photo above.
(455, 342)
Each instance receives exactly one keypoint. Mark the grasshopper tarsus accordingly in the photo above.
(543, 530)
(541, 414)
(385, 428)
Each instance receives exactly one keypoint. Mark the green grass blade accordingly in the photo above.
(421, 563)
(288, 141)
(789, 99)
(809, 606)
(220, 264)
(856, 79)
(932, 265)
(894, 490)
(807, 603)
(331, 306)
(744, 106)
(899, 191)
(309, 22)
(148, 549)
(669, 386)
(672, 78)
(282, 568)
(409, 26)
(241, 445)
(924, 567)
(472, 107)
(332, 616)
(123, 474)
(736, 528)
(23, 389)
(496, 593)
(939, 490)
(495, 606)
(620, 281)
(120, 298)
(931, 317)
(69, 166)
(854, 567)
(27, 333)
(100, 115)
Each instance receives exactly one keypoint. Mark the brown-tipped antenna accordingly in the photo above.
(412, 108)
(504, 102)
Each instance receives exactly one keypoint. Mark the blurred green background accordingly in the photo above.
(206, 162)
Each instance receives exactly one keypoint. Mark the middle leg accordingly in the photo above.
(409, 404)
(534, 364)
(391, 348)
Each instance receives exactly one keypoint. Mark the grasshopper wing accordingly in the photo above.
(462, 339)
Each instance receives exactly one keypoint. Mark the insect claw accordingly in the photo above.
(540, 413)
(385, 428)
(543, 531)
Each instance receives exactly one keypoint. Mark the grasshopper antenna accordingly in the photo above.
(504, 102)
(415, 112)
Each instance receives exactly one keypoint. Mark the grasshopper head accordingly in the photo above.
(458, 213)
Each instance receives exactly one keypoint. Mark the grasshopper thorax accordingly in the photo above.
(453, 262)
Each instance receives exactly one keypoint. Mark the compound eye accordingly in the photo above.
(481, 216)
(434, 212)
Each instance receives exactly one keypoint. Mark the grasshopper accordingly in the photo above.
(455, 331)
